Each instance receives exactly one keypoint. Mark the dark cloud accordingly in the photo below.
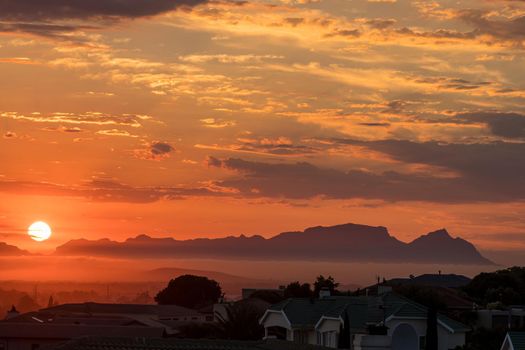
(381, 23)
(155, 151)
(43, 17)
(502, 29)
(48, 10)
(9, 135)
(375, 124)
(345, 33)
(437, 34)
(161, 148)
(485, 172)
(508, 125)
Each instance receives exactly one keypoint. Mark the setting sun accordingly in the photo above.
(39, 231)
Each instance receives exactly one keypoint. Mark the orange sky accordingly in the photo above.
(208, 118)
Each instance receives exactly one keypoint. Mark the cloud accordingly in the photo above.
(508, 29)
(155, 150)
(38, 10)
(217, 123)
(9, 135)
(278, 146)
(103, 190)
(508, 125)
(88, 118)
(479, 173)
(55, 18)
(116, 132)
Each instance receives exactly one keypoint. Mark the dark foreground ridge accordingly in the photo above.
(348, 242)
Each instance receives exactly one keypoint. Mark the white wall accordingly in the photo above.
(274, 319)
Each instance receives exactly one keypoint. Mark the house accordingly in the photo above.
(359, 321)
(32, 330)
(514, 341)
(512, 317)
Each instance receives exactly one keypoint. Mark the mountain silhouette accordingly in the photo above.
(348, 242)
(11, 250)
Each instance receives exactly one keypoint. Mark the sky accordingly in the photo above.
(205, 118)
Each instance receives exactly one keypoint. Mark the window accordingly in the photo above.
(35, 346)
(300, 337)
(422, 342)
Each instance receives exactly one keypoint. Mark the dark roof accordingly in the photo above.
(99, 343)
(518, 340)
(11, 330)
(360, 310)
(144, 309)
(434, 280)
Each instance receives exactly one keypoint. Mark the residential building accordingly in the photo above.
(512, 317)
(326, 321)
(32, 330)
(514, 341)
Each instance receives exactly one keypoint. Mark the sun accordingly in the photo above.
(39, 231)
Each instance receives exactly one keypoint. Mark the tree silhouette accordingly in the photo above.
(190, 291)
(241, 322)
(432, 330)
(26, 304)
(298, 290)
(328, 283)
(344, 333)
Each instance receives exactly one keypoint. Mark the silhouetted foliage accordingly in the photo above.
(190, 291)
(241, 322)
(432, 330)
(142, 298)
(344, 333)
(426, 296)
(483, 339)
(26, 304)
(268, 296)
(298, 290)
(506, 286)
(328, 283)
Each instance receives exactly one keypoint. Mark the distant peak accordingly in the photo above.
(142, 237)
(440, 233)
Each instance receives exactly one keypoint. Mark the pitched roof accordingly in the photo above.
(361, 310)
(101, 343)
(100, 308)
(518, 340)
(11, 330)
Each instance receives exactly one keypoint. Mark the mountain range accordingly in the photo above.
(11, 250)
(345, 243)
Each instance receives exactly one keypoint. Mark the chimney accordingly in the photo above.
(324, 293)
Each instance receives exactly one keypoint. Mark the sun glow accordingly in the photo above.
(39, 231)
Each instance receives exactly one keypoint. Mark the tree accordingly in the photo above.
(432, 330)
(241, 322)
(26, 304)
(328, 283)
(50, 302)
(269, 296)
(298, 290)
(506, 286)
(190, 291)
(344, 333)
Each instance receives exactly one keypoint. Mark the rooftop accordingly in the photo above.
(101, 343)
(518, 340)
(360, 310)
